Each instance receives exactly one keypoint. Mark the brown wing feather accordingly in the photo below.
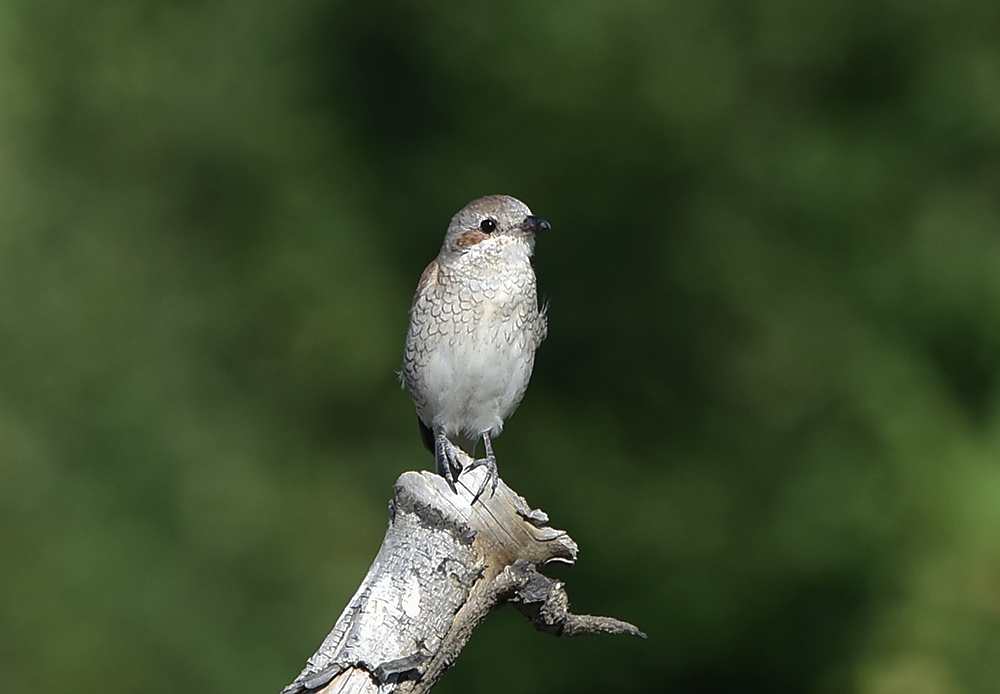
(429, 275)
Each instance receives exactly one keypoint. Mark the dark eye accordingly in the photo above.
(488, 226)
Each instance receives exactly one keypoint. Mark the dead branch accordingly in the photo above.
(443, 566)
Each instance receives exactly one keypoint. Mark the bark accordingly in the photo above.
(443, 565)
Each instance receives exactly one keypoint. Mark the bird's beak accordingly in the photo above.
(533, 224)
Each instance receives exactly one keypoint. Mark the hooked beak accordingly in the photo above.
(533, 224)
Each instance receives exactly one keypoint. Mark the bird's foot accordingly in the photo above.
(490, 461)
(492, 475)
(446, 460)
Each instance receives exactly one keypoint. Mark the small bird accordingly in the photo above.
(474, 327)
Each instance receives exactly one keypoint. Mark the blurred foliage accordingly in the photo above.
(767, 410)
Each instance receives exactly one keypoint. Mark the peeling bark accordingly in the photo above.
(443, 566)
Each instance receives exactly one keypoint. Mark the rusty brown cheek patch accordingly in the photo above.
(470, 238)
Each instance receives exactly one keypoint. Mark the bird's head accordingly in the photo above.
(494, 219)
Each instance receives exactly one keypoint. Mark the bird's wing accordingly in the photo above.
(429, 275)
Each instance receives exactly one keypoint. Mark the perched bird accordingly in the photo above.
(474, 327)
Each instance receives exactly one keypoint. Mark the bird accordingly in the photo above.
(475, 325)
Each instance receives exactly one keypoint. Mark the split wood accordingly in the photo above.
(443, 566)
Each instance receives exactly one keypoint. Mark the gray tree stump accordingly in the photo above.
(443, 565)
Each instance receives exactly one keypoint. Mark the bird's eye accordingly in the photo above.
(488, 226)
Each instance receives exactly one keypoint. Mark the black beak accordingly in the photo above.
(533, 224)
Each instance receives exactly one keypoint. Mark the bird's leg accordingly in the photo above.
(446, 459)
(490, 461)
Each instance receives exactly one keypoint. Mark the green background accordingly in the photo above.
(767, 408)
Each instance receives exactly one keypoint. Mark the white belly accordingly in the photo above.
(475, 379)
(471, 344)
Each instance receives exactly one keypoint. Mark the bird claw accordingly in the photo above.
(490, 461)
(446, 461)
(492, 475)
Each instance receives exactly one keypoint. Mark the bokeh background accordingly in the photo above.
(767, 409)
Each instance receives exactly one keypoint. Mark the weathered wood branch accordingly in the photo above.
(443, 565)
